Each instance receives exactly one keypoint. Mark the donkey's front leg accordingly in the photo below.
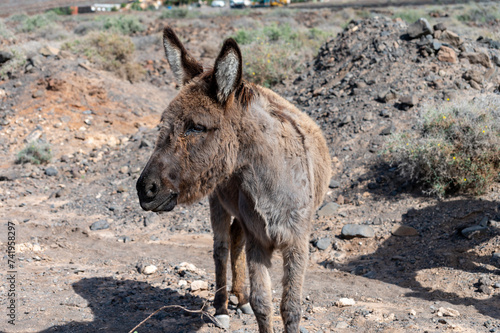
(295, 258)
(221, 224)
(238, 266)
(259, 259)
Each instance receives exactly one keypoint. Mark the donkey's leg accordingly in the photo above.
(259, 259)
(238, 266)
(295, 257)
(221, 222)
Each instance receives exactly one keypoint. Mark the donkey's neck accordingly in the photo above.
(272, 149)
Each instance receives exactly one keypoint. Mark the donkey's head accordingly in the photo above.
(197, 146)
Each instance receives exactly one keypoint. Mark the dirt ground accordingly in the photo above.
(421, 271)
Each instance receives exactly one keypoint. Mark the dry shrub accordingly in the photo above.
(455, 147)
(109, 51)
(276, 52)
(14, 65)
(35, 153)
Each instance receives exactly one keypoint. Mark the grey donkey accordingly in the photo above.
(263, 164)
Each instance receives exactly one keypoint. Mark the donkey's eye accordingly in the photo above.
(195, 128)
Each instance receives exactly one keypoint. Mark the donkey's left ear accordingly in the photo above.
(185, 68)
(227, 70)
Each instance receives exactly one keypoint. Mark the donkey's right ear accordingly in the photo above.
(185, 68)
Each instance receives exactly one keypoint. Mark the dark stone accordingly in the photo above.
(410, 100)
(388, 130)
(323, 243)
(5, 56)
(356, 230)
(440, 27)
(328, 209)
(145, 144)
(421, 27)
(474, 231)
(99, 225)
(436, 45)
(334, 184)
(486, 289)
(51, 171)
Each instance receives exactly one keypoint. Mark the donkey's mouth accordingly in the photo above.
(168, 204)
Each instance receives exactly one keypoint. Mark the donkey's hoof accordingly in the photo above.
(246, 308)
(222, 321)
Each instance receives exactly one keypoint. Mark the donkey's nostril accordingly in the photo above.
(151, 190)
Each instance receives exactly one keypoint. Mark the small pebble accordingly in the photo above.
(447, 312)
(149, 269)
(199, 285)
(343, 302)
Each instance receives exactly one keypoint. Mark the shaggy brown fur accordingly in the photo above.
(258, 158)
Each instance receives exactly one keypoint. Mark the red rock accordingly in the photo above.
(447, 54)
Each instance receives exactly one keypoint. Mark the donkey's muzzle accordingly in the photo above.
(153, 197)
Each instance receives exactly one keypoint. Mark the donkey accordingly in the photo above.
(258, 159)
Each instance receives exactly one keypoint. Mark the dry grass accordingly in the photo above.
(276, 52)
(454, 148)
(109, 51)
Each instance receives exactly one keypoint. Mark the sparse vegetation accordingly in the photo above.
(35, 153)
(455, 147)
(18, 17)
(178, 13)
(276, 52)
(61, 11)
(13, 65)
(109, 51)
(123, 24)
(5, 33)
(36, 22)
(480, 14)
(411, 15)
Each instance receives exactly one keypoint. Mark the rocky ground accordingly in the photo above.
(383, 257)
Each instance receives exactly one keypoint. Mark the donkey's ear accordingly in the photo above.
(227, 70)
(182, 64)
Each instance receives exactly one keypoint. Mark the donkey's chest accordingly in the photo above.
(272, 209)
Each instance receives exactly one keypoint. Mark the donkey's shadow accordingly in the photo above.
(441, 247)
(119, 305)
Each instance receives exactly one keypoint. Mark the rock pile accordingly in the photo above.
(362, 82)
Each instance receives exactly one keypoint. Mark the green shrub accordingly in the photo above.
(61, 11)
(36, 22)
(454, 148)
(136, 6)
(283, 32)
(123, 24)
(35, 153)
(109, 51)
(244, 36)
(179, 13)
